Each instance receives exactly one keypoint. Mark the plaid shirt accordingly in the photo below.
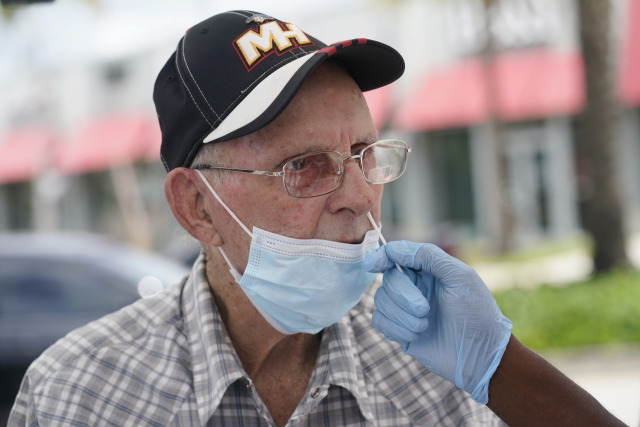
(168, 361)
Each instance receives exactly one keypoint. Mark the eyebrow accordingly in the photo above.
(368, 139)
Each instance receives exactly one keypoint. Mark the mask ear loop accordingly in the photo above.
(384, 242)
(236, 275)
(224, 205)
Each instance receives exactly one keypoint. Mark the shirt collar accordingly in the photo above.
(339, 355)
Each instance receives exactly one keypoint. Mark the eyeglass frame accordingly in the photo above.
(358, 156)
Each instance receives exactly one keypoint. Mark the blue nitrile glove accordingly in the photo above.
(441, 313)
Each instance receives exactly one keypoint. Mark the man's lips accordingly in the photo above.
(347, 239)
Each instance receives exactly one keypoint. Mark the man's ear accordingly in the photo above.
(184, 190)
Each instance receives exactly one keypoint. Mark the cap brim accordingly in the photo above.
(370, 63)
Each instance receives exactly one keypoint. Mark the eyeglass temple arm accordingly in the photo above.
(251, 171)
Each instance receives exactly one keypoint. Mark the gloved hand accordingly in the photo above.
(441, 313)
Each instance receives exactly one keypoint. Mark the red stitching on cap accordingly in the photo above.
(362, 41)
(329, 50)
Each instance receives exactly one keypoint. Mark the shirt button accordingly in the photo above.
(315, 392)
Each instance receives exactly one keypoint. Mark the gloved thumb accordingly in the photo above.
(403, 253)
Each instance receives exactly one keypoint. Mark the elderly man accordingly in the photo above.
(276, 168)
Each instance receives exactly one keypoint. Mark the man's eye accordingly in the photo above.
(357, 149)
(298, 164)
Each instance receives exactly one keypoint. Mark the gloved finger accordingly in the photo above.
(404, 293)
(391, 330)
(426, 257)
(449, 271)
(377, 261)
(404, 319)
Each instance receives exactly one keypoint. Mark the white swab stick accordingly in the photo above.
(384, 242)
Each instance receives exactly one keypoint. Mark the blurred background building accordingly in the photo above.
(79, 142)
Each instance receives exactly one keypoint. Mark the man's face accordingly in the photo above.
(328, 113)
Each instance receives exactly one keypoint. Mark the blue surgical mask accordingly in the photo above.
(301, 285)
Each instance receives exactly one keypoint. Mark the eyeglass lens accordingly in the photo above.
(316, 174)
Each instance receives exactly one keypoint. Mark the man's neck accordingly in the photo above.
(279, 365)
(258, 345)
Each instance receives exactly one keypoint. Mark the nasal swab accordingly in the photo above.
(384, 242)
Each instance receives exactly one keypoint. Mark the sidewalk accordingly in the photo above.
(610, 374)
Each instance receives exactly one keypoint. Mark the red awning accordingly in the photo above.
(379, 102)
(529, 85)
(445, 98)
(109, 141)
(24, 153)
(629, 82)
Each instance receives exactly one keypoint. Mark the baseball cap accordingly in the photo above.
(234, 73)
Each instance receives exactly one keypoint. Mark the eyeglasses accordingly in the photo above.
(321, 172)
